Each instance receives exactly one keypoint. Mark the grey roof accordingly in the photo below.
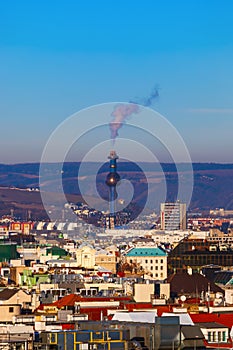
(192, 332)
(211, 325)
(184, 318)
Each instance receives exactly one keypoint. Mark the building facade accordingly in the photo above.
(107, 261)
(153, 261)
(195, 253)
(173, 216)
(85, 256)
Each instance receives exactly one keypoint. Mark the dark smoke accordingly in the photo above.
(149, 100)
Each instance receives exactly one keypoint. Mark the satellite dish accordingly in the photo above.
(183, 298)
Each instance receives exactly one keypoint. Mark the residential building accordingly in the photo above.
(143, 292)
(15, 296)
(7, 312)
(152, 261)
(106, 260)
(173, 216)
(214, 333)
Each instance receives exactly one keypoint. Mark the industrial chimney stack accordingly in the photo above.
(111, 181)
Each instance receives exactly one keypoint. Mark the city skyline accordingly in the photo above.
(58, 58)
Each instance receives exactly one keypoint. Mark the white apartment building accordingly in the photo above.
(173, 216)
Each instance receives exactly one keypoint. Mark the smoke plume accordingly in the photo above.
(149, 100)
(123, 111)
(120, 114)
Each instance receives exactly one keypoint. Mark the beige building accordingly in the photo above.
(7, 312)
(85, 256)
(152, 260)
(9, 296)
(15, 272)
(11, 302)
(106, 260)
(143, 293)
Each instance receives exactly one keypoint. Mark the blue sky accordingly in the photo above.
(57, 57)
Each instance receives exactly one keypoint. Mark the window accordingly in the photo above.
(161, 267)
(209, 336)
(161, 261)
(156, 261)
(151, 267)
(214, 336)
(219, 336)
(146, 261)
(53, 338)
(224, 336)
(156, 275)
(156, 267)
(11, 309)
(151, 261)
(161, 275)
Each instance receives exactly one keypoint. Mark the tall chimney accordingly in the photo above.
(111, 181)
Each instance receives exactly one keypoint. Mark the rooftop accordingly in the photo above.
(7, 293)
(146, 252)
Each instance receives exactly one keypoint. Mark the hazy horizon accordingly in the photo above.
(99, 162)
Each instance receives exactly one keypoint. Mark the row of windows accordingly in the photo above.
(214, 337)
(199, 260)
(224, 239)
(154, 261)
(157, 275)
(146, 261)
(156, 268)
(109, 259)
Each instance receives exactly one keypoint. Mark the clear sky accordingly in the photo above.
(57, 57)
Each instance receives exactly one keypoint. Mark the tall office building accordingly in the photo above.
(173, 216)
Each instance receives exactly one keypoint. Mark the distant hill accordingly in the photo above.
(213, 183)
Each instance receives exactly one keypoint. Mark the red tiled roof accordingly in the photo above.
(135, 306)
(225, 319)
(71, 299)
(96, 313)
(67, 300)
